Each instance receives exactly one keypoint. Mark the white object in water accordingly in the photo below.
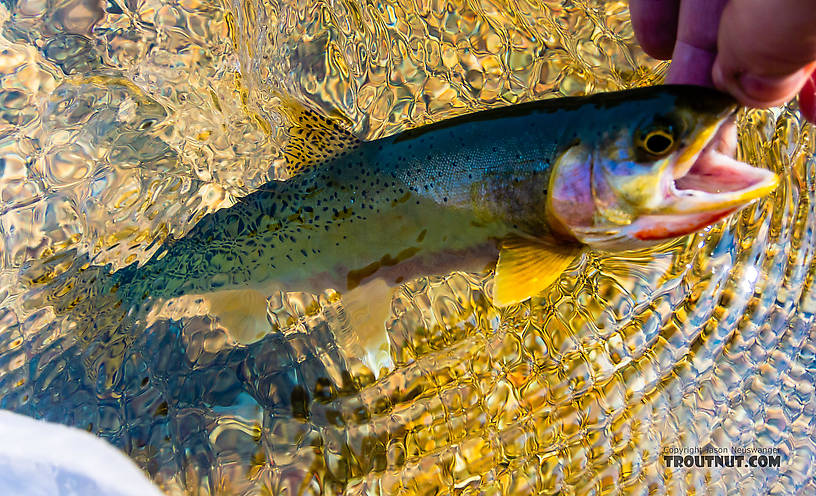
(39, 458)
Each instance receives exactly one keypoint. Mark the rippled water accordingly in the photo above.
(124, 122)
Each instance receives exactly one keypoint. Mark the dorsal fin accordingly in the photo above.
(313, 138)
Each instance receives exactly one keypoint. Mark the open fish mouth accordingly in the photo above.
(712, 179)
(705, 184)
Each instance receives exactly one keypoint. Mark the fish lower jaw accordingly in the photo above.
(651, 228)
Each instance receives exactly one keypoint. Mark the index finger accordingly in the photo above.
(696, 48)
(655, 25)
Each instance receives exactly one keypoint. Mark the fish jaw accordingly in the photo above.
(663, 227)
(706, 185)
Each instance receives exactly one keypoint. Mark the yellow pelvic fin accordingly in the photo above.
(242, 312)
(313, 138)
(365, 339)
(526, 267)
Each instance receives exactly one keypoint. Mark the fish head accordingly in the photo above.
(651, 167)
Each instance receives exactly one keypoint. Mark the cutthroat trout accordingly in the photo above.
(522, 189)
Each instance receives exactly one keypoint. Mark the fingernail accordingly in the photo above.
(807, 98)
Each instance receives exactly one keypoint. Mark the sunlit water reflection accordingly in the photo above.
(122, 123)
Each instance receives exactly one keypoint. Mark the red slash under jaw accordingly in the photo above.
(657, 229)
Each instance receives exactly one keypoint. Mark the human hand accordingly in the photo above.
(761, 52)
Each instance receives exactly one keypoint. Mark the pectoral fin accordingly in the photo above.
(526, 267)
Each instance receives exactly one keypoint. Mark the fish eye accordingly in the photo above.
(656, 142)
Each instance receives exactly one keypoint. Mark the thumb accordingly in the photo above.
(766, 50)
